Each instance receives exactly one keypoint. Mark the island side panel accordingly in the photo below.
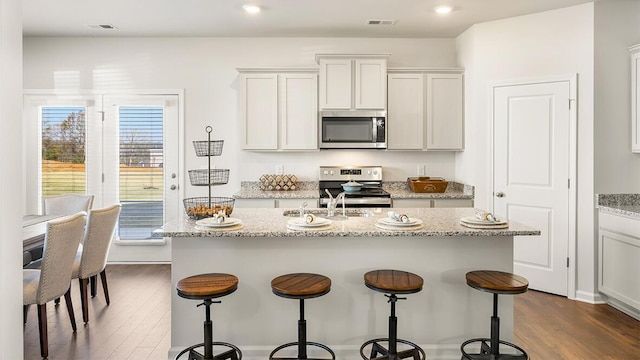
(439, 318)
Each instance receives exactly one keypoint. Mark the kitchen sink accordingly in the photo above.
(337, 214)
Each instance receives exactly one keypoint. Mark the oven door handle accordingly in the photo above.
(363, 201)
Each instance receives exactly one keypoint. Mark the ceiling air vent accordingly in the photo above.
(103, 26)
(381, 22)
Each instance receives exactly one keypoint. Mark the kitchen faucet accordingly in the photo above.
(333, 202)
(302, 206)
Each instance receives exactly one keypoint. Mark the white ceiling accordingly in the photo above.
(279, 18)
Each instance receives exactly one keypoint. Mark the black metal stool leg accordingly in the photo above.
(302, 333)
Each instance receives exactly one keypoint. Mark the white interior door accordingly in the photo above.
(531, 176)
(140, 147)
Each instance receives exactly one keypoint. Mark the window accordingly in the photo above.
(140, 171)
(63, 168)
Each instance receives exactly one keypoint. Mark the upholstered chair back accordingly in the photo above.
(66, 204)
(60, 246)
(101, 225)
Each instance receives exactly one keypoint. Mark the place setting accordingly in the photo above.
(398, 222)
(484, 220)
(219, 223)
(309, 222)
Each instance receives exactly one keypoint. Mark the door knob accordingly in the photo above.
(500, 194)
(173, 187)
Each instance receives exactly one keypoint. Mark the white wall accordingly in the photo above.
(552, 43)
(617, 26)
(206, 69)
(11, 336)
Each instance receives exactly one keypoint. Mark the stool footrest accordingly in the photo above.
(486, 351)
(414, 352)
(322, 346)
(233, 353)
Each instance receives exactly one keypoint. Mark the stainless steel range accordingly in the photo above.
(370, 194)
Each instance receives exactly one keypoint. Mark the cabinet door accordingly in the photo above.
(412, 203)
(298, 104)
(452, 203)
(444, 112)
(371, 84)
(335, 84)
(635, 98)
(405, 112)
(255, 203)
(259, 111)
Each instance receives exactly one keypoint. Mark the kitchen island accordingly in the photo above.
(439, 318)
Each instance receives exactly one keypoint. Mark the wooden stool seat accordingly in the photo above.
(207, 286)
(301, 285)
(497, 282)
(393, 281)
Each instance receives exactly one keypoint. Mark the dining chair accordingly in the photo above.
(66, 204)
(91, 257)
(53, 279)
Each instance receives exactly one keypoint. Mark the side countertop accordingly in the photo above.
(309, 190)
(272, 223)
(621, 204)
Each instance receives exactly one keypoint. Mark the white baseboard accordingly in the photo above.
(589, 297)
(343, 352)
(633, 312)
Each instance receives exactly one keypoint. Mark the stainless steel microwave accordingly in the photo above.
(357, 129)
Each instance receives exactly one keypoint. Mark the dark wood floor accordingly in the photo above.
(136, 325)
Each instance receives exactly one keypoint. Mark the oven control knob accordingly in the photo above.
(375, 172)
(325, 172)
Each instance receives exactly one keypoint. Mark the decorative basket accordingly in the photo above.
(425, 184)
(209, 177)
(202, 147)
(204, 207)
(269, 182)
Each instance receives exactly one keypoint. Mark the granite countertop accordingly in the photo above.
(621, 204)
(272, 223)
(309, 189)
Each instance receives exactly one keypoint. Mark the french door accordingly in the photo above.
(128, 153)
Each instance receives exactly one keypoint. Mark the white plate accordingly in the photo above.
(485, 226)
(300, 222)
(307, 228)
(213, 222)
(475, 220)
(390, 222)
(399, 228)
(219, 229)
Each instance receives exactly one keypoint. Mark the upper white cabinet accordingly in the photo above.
(425, 109)
(635, 98)
(444, 112)
(352, 82)
(279, 110)
(405, 112)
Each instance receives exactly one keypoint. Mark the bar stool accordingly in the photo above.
(391, 283)
(301, 286)
(206, 287)
(495, 282)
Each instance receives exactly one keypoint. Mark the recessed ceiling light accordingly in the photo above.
(251, 8)
(443, 9)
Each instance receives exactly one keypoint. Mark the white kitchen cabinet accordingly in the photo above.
(405, 112)
(255, 203)
(259, 111)
(349, 82)
(452, 203)
(444, 120)
(635, 98)
(412, 203)
(619, 261)
(276, 203)
(432, 203)
(425, 109)
(279, 110)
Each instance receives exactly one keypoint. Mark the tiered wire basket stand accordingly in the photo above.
(203, 207)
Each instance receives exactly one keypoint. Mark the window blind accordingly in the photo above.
(63, 154)
(140, 171)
